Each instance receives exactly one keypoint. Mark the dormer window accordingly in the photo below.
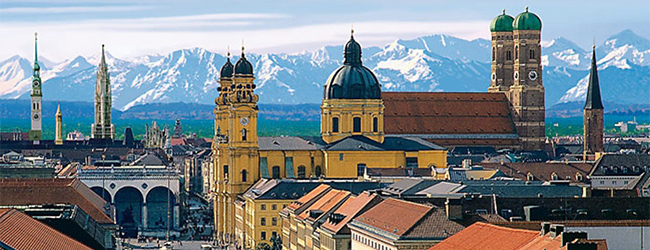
(554, 176)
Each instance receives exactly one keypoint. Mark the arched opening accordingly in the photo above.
(244, 176)
(128, 210)
(318, 172)
(375, 124)
(301, 172)
(494, 54)
(243, 134)
(102, 193)
(516, 52)
(335, 124)
(275, 172)
(160, 204)
(356, 124)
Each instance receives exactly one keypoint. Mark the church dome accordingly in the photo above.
(527, 21)
(243, 66)
(226, 69)
(502, 22)
(352, 80)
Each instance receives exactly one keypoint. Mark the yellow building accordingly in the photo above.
(352, 139)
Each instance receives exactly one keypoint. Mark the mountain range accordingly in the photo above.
(429, 63)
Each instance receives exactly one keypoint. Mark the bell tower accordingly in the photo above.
(593, 117)
(502, 54)
(236, 157)
(527, 92)
(35, 133)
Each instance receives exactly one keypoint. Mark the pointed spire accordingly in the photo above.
(594, 100)
(58, 108)
(103, 62)
(35, 46)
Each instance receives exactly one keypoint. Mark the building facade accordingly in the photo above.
(102, 128)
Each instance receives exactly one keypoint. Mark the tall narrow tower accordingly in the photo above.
(103, 128)
(35, 133)
(501, 78)
(593, 118)
(527, 92)
(236, 146)
(59, 126)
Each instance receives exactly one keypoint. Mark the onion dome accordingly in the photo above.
(352, 80)
(226, 69)
(243, 66)
(502, 22)
(527, 21)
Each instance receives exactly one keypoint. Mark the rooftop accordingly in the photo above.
(19, 231)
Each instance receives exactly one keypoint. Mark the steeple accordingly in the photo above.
(352, 53)
(59, 126)
(36, 66)
(593, 89)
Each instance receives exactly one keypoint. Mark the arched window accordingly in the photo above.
(243, 134)
(532, 54)
(243, 175)
(554, 176)
(356, 124)
(508, 55)
(301, 172)
(375, 124)
(225, 170)
(275, 172)
(494, 54)
(335, 124)
(318, 171)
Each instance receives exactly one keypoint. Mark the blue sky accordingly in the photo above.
(133, 28)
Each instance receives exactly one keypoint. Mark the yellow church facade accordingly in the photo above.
(352, 139)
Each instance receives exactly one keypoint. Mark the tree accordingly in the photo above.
(263, 246)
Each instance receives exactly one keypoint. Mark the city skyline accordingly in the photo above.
(70, 28)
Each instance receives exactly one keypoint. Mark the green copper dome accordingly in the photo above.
(527, 21)
(502, 22)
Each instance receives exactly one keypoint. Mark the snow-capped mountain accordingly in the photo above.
(430, 63)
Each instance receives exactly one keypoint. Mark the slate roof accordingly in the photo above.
(447, 113)
(621, 164)
(391, 143)
(409, 186)
(521, 190)
(290, 143)
(280, 189)
(398, 172)
(19, 231)
(487, 237)
(53, 191)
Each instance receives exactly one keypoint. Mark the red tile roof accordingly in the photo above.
(393, 216)
(487, 237)
(548, 243)
(326, 203)
(542, 170)
(447, 113)
(308, 197)
(20, 231)
(350, 209)
(53, 191)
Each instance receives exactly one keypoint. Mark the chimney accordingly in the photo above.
(454, 209)
(467, 163)
(546, 228)
(556, 230)
(568, 237)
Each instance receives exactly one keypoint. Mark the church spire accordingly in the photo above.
(593, 89)
(36, 66)
(102, 63)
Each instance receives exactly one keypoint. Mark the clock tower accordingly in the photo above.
(527, 91)
(236, 156)
(36, 94)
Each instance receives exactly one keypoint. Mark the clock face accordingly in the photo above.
(516, 75)
(494, 77)
(532, 75)
(36, 117)
(244, 121)
(35, 84)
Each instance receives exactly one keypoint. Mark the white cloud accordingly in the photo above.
(72, 9)
(127, 38)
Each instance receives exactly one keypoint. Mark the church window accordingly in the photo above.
(532, 54)
(494, 54)
(335, 124)
(243, 134)
(275, 172)
(361, 169)
(225, 170)
(375, 124)
(356, 124)
(508, 55)
(243, 175)
(319, 171)
(301, 172)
